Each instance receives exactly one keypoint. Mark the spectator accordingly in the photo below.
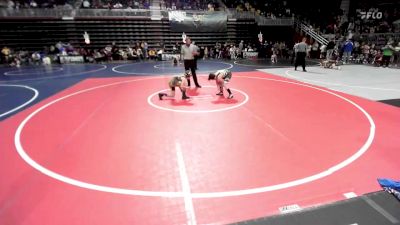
(323, 51)
(118, 5)
(388, 50)
(6, 54)
(314, 50)
(145, 48)
(10, 4)
(397, 54)
(152, 54)
(347, 50)
(378, 57)
(86, 4)
(329, 49)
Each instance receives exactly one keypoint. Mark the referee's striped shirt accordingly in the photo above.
(187, 51)
(301, 47)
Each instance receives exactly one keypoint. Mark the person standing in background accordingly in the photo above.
(145, 50)
(397, 55)
(329, 49)
(388, 51)
(241, 47)
(347, 50)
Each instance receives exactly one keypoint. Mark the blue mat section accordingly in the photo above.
(388, 183)
(167, 68)
(390, 186)
(32, 73)
(11, 97)
(49, 80)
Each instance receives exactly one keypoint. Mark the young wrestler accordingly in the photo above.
(177, 81)
(222, 78)
(332, 63)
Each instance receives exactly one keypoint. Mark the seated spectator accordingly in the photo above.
(359, 59)
(152, 54)
(99, 56)
(46, 60)
(36, 58)
(5, 53)
(132, 54)
(136, 4)
(159, 54)
(33, 4)
(86, 4)
(10, 4)
(378, 58)
(118, 5)
(139, 53)
(146, 5)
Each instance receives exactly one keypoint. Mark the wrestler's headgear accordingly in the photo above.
(211, 76)
(188, 73)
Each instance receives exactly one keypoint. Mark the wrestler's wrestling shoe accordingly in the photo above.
(220, 93)
(160, 95)
(230, 96)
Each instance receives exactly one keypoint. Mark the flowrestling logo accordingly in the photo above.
(371, 15)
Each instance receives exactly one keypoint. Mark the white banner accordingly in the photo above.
(167, 56)
(71, 59)
(250, 55)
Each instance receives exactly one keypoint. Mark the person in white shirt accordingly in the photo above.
(323, 51)
(188, 52)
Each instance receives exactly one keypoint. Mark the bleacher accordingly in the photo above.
(34, 31)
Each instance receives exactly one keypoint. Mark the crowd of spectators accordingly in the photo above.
(345, 51)
(365, 18)
(19, 4)
(188, 5)
(365, 35)
(141, 51)
(348, 34)
(207, 5)
(145, 4)
(116, 4)
(270, 9)
(361, 51)
(340, 25)
(133, 51)
(71, 4)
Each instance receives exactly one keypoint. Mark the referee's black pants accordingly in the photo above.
(300, 60)
(190, 65)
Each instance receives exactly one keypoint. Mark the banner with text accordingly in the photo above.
(197, 21)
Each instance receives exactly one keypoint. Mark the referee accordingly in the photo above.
(188, 52)
(301, 50)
